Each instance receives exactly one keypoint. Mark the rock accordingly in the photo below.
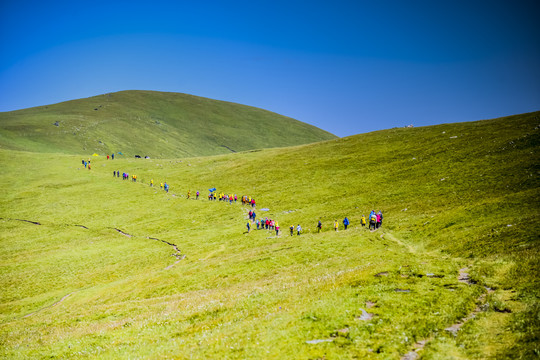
(365, 316)
(317, 341)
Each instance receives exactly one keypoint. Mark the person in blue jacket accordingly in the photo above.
(345, 222)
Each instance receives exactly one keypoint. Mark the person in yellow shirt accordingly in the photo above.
(363, 221)
(152, 183)
(336, 225)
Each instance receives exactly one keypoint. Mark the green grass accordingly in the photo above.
(448, 194)
(157, 124)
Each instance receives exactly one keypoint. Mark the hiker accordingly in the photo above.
(85, 164)
(235, 198)
(291, 228)
(250, 214)
(197, 195)
(161, 185)
(258, 224)
(298, 230)
(253, 203)
(89, 167)
(82, 162)
(363, 221)
(319, 226)
(117, 173)
(253, 215)
(114, 173)
(336, 225)
(345, 222)
(151, 182)
(248, 226)
(372, 220)
(112, 156)
(379, 219)
(107, 157)
(272, 224)
(166, 187)
(277, 228)
(188, 194)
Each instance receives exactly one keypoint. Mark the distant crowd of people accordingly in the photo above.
(374, 219)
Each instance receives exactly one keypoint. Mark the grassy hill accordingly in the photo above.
(452, 274)
(151, 123)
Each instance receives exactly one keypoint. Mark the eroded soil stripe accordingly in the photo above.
(178, 254)
(28, 221)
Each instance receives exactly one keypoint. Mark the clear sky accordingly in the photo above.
(347, 67)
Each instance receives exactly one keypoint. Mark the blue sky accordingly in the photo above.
(348, 67)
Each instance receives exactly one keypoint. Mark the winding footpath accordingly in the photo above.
(463, 277)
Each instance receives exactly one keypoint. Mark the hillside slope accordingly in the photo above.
(89, 268)
(151, 123)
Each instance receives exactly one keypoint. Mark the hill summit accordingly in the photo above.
(157, 124)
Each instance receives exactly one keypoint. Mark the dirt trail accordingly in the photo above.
(463, 277)
(50, 306)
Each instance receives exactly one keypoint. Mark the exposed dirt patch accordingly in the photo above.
(463, 277)
(121, 232)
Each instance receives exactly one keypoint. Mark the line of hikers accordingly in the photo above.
(375, 222)
(212, 196)
(87, 164)
(374, 219)
(248, 200)
(266, 224)
(230, 198)
(125, 176)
